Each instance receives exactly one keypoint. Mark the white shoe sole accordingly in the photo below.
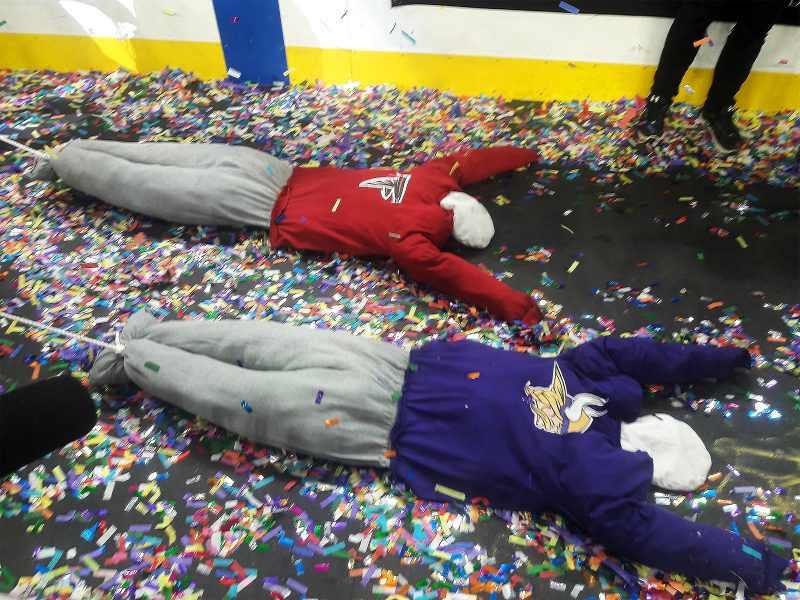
(647, 138)
(719, 147)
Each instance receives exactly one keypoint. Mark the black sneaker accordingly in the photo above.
(650, 126)
(724, 132)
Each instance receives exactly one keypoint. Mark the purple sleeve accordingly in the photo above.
(658, 538)
(650, 361)
(603, 489)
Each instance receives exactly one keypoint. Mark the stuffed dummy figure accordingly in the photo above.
(407, 216)
(559, 435)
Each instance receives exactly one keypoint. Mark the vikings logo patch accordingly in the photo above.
(555, 411)
(392, 188)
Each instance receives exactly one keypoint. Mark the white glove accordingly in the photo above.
(472, 224)
(680, 459)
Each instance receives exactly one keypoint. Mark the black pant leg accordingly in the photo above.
(42, 417)
(679, 51)
(754, 20)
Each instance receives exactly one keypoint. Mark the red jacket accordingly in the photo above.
(381, 212)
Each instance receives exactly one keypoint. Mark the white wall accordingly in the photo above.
(367, 24)
(194, 20)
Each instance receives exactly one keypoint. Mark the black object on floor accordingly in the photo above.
(40, 418)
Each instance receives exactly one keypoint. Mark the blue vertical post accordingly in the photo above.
(252, 40)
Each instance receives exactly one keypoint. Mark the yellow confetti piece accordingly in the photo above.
(336, 204)
(14, 328)
(445, 526)
(455, 166)
(51, 152)
(741, 241)
(289, 71)
(474, 375)
(171, 534)
(519, 541)
(331, 422)
(573, 266)
(567, 228)
(442, 555)
(59, 473)
(91, 563)
(443, 489)
(169, 12)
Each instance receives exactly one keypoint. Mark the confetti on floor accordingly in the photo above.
(173, 507)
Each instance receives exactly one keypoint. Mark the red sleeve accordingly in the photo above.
(479, 164)
(426, 263)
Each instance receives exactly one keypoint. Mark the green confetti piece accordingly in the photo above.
(3, 22)
(396, 396)
(152, 366)
(7, 579)
(413, 367)
(700, 255)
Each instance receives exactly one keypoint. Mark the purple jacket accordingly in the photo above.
(543, 435)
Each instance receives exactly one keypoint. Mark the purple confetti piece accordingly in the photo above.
(297, 586)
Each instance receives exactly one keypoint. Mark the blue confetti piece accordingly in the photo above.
(409, 38)
(88, 534)
(751, 551)
(246, 406)
(569, 7)
(319, 397)
(279, 219)
(263, 482)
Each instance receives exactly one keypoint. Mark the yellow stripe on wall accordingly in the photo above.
(529, 79)
(76, 53)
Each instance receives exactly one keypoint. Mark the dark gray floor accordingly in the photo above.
(615, 230)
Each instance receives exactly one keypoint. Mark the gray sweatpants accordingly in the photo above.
(196, 184)
(324, 393)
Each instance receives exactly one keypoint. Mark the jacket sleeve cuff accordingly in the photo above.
(532, 314)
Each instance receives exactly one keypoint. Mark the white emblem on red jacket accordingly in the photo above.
(392, 188)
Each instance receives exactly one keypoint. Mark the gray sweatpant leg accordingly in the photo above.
(295, 380)
(196, 184)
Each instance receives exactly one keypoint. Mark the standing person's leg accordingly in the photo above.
(198, 184)
(679, 51)
(754, 21)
